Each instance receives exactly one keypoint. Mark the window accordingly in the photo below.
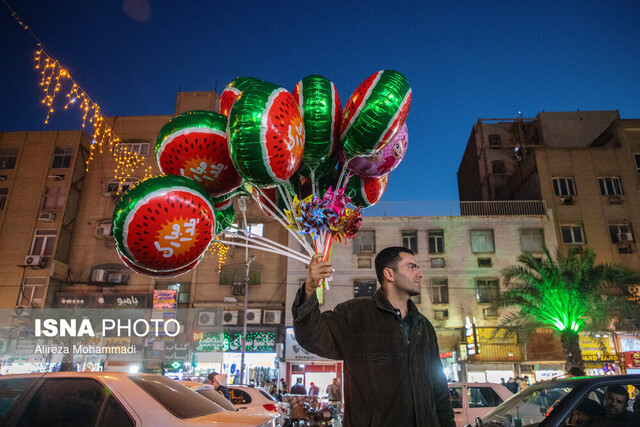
(489, 313)
(4, 192)
(441, 314)
(10, 391)
(610, 185)
(440, 289)
(572, 234)
(487, 290)
(564, 186)
(8, 158)
(485, 262)
(364, 288)
(497, 166)
(636, 157)
(257, 229)
(32, 292)
(364, 262)
(532, 239)
(495, 141)
(115, 414)
(239, 397)
(410, 240)
(482, 241)
(483, 397)
(231, 274)
(455, 395)
(65, 402)
(54, 198)
(436, 241)
(116, 186)
(182, 289)
(365, 242)
(62, 157)
(43, 243)
(620, 233)
(134, 146)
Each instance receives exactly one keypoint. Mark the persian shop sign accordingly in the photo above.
(257, 342)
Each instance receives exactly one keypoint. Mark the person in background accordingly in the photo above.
(334, 395)
(298, 388)
(575, 372)
(585, 414)
(314, 390)
(210, 377)
(220, 384)
(512, 385)
(392, 368)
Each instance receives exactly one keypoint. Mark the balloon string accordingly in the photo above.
(272, 202)
(312, 177)
(265, 249)
(340, 184)
(260, 239)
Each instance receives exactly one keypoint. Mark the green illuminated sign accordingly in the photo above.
(257, 342)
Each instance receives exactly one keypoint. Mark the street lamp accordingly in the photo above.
(242, 205)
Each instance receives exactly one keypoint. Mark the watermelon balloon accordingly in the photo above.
(231, 92)
(321, 111)
(266, 134)
(152, 273)
(382, 161)
(194, 144)
(225, 214)
(164, 223)
(365, 192)
(374, 113)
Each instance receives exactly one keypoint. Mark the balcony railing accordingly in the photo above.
(480, 208)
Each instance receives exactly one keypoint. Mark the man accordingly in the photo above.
(298, 388)
(334, 393)
(615, 407)
(219, 382)
(393, 374)
(314, 390)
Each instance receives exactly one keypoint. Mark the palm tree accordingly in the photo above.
(568, 294)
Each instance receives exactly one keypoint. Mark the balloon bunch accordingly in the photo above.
(300, 157)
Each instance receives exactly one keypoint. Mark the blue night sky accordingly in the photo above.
(464, 60)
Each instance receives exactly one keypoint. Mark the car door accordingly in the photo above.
(481, 399)
(456, 396)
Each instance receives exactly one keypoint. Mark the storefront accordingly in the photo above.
(544, 356)
(630, 352)
(492, 354)
(599, 355)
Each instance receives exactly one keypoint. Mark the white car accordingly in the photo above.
(107, 399)
(257, 400)
(472, 400)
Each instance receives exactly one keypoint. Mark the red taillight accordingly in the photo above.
(270, 407)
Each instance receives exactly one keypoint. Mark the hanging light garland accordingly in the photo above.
(54, 78)
(221, 250)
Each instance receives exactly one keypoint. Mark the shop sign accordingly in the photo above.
(116, 342)
(100, 300)
(632, 359)
(175, 351)
(295, 353)
(257, 342)
(471, 337)
(600, 358)
(164, 299)
(124, 300)
(446, 354)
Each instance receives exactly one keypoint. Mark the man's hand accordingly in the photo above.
(318, 270)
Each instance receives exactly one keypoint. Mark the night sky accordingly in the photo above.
(464, 60)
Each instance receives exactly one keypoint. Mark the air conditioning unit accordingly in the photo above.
(103, 230)
(625, 237)
(115, 278)
(272, 317)
(208, 318)
(47, 217)
(253, 316)
(366, 248)
(35, 261)
(230, 317)
(567, 200)
(615, 200)
(99, 275)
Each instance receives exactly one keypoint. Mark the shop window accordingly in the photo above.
(133, 146)
(487, 290)
(364, 288)
(483, 397)
(8, 158)
(364, 262)
(485, 262)
(564, 186)
(365, 242)
(117, 186)
(182, 290)
(436, 241)
(440, 289)
(532, 239)
(441, 314)
(497, 166)
(482, 241)
(62, 157)
(495, 141)
(44, 243)
(410, 240)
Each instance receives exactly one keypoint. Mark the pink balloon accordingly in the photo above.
(383, 161)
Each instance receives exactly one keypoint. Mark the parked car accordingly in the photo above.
(472, 400)
(561, 402)
(209, 391)
(111, 399)
(257, 400)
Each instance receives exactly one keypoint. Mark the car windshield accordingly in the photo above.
(527, 408)
(178, 399)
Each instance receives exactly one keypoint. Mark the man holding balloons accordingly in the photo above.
(393, 373)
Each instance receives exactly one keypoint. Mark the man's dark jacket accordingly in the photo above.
(387, 381)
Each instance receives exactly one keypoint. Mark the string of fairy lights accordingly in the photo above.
(55, 80)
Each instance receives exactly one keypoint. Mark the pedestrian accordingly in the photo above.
(575, 372)
(392, 369)
(298, 388)
(334, 395)
(220, 384)
(210, 377)
(284, 388)
(314, 390)
(512, 385)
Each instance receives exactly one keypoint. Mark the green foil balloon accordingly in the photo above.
(322, 112)
(365, 192)
(164, 223)
(194, 144)
(376, 110)
(225, 214)
(266, 134)
(160, 274)
(231, 92)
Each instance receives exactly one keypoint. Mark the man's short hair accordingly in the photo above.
(619, 390)
(389, 258)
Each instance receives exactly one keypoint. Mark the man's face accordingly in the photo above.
(407, 276)
(615, 404)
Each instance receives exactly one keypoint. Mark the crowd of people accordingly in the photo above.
(516, 384)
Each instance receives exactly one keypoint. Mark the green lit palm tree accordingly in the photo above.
(568, 294)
